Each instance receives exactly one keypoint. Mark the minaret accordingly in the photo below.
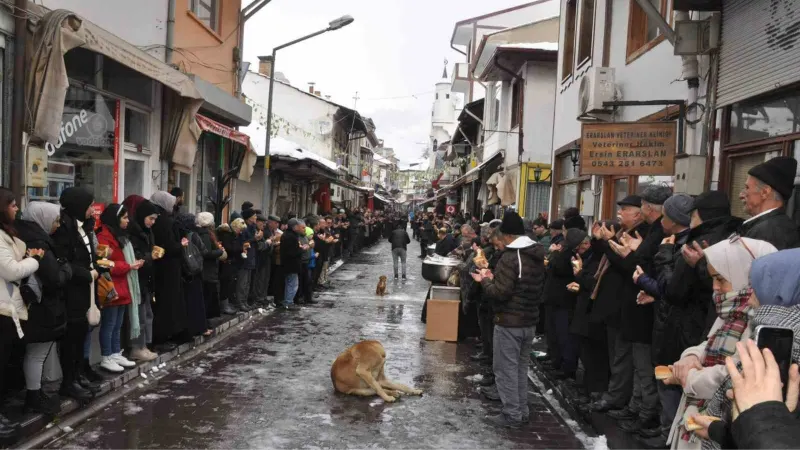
(443, 117)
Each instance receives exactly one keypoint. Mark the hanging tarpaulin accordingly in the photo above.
(214, 127)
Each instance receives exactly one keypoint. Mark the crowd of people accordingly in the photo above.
(677, 281)
(150, 276)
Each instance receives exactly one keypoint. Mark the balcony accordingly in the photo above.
(460, 78)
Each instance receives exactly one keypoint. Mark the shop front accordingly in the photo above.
(758, 93)
(105, 115)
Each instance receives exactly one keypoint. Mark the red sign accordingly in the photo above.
(98, 209)
(219, 129)
(451, 209)
(115, 187)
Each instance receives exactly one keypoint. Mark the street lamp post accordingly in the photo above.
(332, 26)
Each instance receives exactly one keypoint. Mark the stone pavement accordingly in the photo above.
(270, 387)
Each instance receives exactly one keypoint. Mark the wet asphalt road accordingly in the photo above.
(269, 386)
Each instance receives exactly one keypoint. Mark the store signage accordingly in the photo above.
(219, 129)
(83, 128)
(630, 148)
(37, 167)
(67, 130)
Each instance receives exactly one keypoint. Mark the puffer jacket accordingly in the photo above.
(399, 238)
(516, 290)
(14, 267)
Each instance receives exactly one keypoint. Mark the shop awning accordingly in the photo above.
(214, 127)
(472, 174)
(511, 57)
(291, 153)
(383, 199)
(56, 32)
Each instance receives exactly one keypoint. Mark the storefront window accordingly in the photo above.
(84, 153)
(134, 177)
(567, 197)
(620, 189)
(765, 118)
(650, 180)
(127, 83)
(137, 128)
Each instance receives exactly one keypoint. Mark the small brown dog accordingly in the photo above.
(359, 371)
(381, 290)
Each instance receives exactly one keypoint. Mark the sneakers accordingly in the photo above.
(108, 363)
(122, 361)
(142, 354)
(404, 277)
(395, 276)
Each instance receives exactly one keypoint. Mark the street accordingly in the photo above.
(269, 386)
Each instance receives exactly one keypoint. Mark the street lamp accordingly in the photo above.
(333, 25)
(574, 155)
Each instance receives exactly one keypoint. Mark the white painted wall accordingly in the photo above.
(142, 23)
(298, 114)
(540, 92)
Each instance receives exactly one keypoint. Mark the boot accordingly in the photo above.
(89, 385)
(226, 308)
(8, 429)
(90, 373)
(39, 402)
(76, 391)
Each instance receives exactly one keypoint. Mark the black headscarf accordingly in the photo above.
(110, 219)
(185, 223)
(143, 211)
(75, 201)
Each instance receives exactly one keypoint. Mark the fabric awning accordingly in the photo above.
(214, 127)
(56, 32)
(467, 177)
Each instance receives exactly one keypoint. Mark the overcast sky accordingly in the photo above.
(395, 48)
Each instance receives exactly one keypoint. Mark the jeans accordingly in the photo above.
(111, 318)
(512, 348)
(670, 401)
(399, 253)
(292, 284)
(35, 355)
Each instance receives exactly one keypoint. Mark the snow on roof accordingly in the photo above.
(549, 46)
(378, 158)
(283, 147)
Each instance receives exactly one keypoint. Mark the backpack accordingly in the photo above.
(192, 258)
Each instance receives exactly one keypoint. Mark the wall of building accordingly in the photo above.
(142, 23)
(203, 51)
(296, 115)
(540, 91)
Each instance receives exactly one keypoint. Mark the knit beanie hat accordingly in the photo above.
(575, 222)
(679, 209)
(778, 173)
(712, 205)
(512, 224)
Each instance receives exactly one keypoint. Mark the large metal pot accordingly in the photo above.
(437, 273)
(431, 250)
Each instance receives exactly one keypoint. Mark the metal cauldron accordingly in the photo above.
(438, 273)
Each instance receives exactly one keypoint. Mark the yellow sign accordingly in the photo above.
(37, 167)
(632, 148)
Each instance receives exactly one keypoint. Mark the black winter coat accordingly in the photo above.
(229, 267)
(69, 244)
(446, 245)
(516, 291)
(399, 238)
(47, 320)
(142, 242)
(766, 425)
(559, 275)
(774, 227)
(580, 324)
(616, 286)
(291, 253)
(169, 307)
(211, 255)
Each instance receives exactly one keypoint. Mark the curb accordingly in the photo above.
(125, 383)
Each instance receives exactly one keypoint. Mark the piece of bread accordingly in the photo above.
(663, 372)
(691, 425)
(158, 251)
(105, 263)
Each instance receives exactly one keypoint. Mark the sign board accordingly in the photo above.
(629, 148)
(37, 167)
(451, 209)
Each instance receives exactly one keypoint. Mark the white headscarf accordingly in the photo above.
(164, 199)
(205, 220)
(42, 213)
(733, 260)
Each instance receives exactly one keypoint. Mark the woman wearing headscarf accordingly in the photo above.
(16, 263)
(74, 241)
(701, 369)
(775, 299)
(169, 307)
(143, 215)
(193, 283)
(211, 258)
(47, 318)
(124, 274)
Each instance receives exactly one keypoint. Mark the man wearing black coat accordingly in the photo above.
(614, 291)
(767, 189)
(400, 240)
(291, 252)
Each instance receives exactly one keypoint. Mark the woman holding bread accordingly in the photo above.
(701, 369)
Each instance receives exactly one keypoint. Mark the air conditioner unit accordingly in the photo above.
(697, 37)
(597, 86)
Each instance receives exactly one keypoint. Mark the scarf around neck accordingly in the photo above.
(735, 311)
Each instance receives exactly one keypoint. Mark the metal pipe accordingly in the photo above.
(655, 15)
(251, 11)
(16, 160)
(170, 31)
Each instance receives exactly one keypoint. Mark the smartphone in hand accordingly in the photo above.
(779, 341)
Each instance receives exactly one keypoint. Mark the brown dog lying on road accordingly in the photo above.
(381, 289)
(359, 371)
